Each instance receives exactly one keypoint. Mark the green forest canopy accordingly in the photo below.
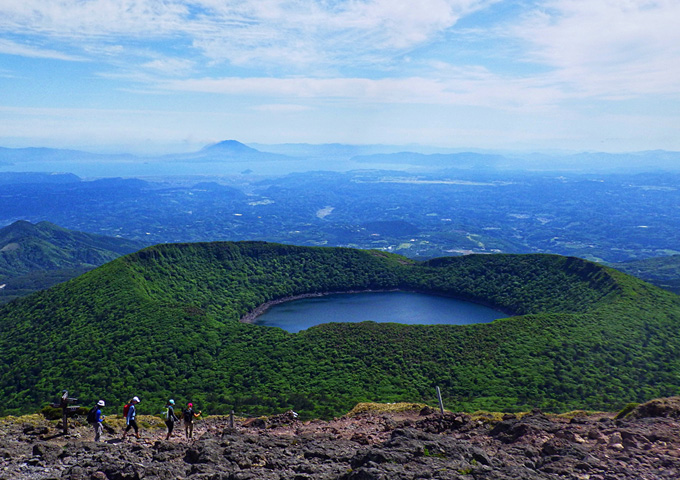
(164, 322)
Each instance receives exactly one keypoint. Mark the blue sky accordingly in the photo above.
(166, 75)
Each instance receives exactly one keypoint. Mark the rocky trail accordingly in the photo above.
(366, 444)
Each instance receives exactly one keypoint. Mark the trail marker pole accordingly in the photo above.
(66, 409)
(441, 404)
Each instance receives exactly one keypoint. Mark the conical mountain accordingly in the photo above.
(229, 147)
(228, 150)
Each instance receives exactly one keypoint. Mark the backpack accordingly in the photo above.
(188, 415)
(92, 415)
(126, 409)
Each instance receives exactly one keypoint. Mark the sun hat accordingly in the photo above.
(101, 403)
(135, 399)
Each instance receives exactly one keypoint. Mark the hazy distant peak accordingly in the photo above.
(23, 178)
(228, 146)
(20, 226)
(24, 228)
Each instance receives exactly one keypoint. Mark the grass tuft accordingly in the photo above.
(368, 407)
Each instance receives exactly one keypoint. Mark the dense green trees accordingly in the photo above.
(35, 257)
(164, 322)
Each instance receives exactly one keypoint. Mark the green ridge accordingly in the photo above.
(163, 322)
(36, 256)
(663, 272)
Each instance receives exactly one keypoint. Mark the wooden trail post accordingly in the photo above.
(66, 409)
(441, 404)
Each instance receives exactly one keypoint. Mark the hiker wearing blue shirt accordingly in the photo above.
(97, 419)
(131, 416)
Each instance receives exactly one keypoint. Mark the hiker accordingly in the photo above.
(130, 418)
(170, 417)
(95, 418)
(189, 416)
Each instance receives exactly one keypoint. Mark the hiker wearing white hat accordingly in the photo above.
(130, 418)
(95, 418)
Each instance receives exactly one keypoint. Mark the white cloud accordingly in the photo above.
(9, 47)
(282, 108)
(452, 86)
(169, 66)
(574, 66)
(308, 32)
(91, 18)
(363, 89)
(284, 32)
(609, 48)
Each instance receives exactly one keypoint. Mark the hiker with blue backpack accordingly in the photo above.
(95, 418)
(130, 417)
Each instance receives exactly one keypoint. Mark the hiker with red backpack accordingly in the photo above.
(130, 417)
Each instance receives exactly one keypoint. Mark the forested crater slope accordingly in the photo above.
(163, 322)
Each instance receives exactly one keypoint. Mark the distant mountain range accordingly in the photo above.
(33, 178)
(228, 149)
(12, 155)
(293, 157)
(37, 256)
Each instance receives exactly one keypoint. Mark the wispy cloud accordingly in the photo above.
(609, 48)
(9, 47)
(329, 32)
(259, 32)
(455, 87)
(571, 63)
(169, 66)
(92, 18)
(281, 108)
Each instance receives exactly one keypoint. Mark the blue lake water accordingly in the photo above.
(398, 307)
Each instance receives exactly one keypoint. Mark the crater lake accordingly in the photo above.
(397, 307)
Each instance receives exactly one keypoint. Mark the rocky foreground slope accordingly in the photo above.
(411, 444)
